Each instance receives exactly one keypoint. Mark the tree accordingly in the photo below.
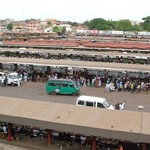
(63, 30)
(98, 24)
(49, 23)
(73, 23)
(10, 26)
(56, 29)
(146, 23)
(124, 25)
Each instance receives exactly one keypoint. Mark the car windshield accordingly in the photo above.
(13, 76)
(106, 104)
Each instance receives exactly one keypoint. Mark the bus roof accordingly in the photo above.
(60, 80)
(91, 98)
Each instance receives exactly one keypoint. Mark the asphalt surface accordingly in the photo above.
(36, 91)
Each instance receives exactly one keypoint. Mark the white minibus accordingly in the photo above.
(92, 101)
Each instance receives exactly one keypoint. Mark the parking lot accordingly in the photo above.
(36, 91)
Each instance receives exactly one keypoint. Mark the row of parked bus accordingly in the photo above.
(114, 33)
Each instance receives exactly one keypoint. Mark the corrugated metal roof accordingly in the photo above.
(124, 125)
(79, 64)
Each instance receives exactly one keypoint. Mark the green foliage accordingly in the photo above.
(146, 19)
(10, 26)
(73, 23)
(97, 24)
(49, 23)
(59, 30)
(63, 30)
(123, 25)
(28, 20)
(135, 28)
(146, 23)
(56, 29)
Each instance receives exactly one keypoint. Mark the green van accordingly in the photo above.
(62, 86)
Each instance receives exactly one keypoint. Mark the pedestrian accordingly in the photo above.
(117, 106)
(84, 82)
(138, 88)
(132, 87)
(121, 106)
(120, 147)
(61, 147)
(93, 82)
(5, 80)
(107, 87)
(100, 83)
(2, 80)
(146, 87)
(25, 77)
(88, 82)
(18, 83)
(78, 82)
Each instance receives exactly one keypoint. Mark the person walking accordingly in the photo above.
(2, 80)
(25, 76)
(5, 80)
(18, 83)
(121, 106)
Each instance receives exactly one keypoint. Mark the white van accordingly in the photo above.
(12, 78)
(92, 101)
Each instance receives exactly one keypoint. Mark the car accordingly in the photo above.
(12, 78)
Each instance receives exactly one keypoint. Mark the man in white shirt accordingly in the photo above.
(121, 106)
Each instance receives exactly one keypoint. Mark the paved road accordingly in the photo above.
(36, 91)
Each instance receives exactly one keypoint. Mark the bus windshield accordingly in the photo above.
(106, 104)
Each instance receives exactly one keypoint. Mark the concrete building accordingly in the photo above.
(33, 26)
(68, 27)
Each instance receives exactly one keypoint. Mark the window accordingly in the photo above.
(1, 75)
(71, 85)
(91, 104)
(100, 105)
(80, 102)
(64, 85)
(52, 84)
(106, 104)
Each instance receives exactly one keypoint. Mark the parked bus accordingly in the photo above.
(62, 86)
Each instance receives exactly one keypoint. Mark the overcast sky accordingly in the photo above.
(75, 10)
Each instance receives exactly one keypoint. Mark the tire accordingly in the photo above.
(12, 84)
(53, 93)
(75, 94)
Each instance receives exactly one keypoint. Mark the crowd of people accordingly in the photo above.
(133, 86)
(82, 77)
(20, 132)
(125, 82)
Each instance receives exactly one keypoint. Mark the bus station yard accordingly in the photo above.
(35, 90)
(32, 89)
